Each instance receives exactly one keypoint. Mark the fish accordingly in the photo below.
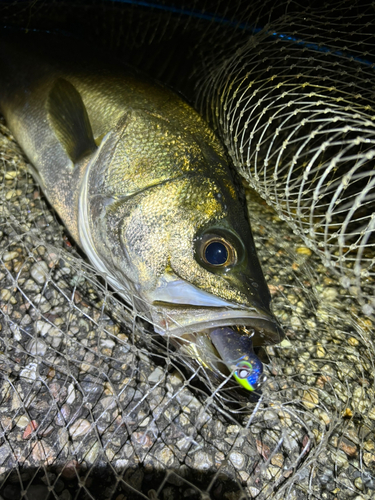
(147, 191)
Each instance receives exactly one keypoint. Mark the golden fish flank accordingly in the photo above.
(145, 188)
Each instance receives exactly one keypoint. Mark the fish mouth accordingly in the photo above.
(222, 341)
(179, 308)
(217, 334)
(181, 321)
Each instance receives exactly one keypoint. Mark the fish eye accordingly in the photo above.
(218, 252)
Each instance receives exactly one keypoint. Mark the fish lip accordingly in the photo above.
(179, 308)
(266, 328)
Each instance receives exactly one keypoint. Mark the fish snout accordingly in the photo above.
(265, 330)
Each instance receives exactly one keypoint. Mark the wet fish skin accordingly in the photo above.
(141, 183)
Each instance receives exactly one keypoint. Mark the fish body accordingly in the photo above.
(142, 184)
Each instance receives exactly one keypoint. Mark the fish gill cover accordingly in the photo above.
(94, 404)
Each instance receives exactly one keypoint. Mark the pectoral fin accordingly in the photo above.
(70, 121)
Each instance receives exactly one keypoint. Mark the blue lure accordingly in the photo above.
(237, 353)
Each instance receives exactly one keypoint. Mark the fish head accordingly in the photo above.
(212, 275)
(165, 218)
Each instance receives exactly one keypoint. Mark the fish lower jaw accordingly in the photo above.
(181, 322)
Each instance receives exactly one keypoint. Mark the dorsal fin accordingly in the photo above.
(69, 119)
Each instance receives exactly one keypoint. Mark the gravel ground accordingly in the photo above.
(94, 406)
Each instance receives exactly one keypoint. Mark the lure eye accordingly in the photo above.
(219, 253)
(248, 373)
(244, 371)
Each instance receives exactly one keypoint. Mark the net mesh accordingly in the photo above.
(93, 403)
